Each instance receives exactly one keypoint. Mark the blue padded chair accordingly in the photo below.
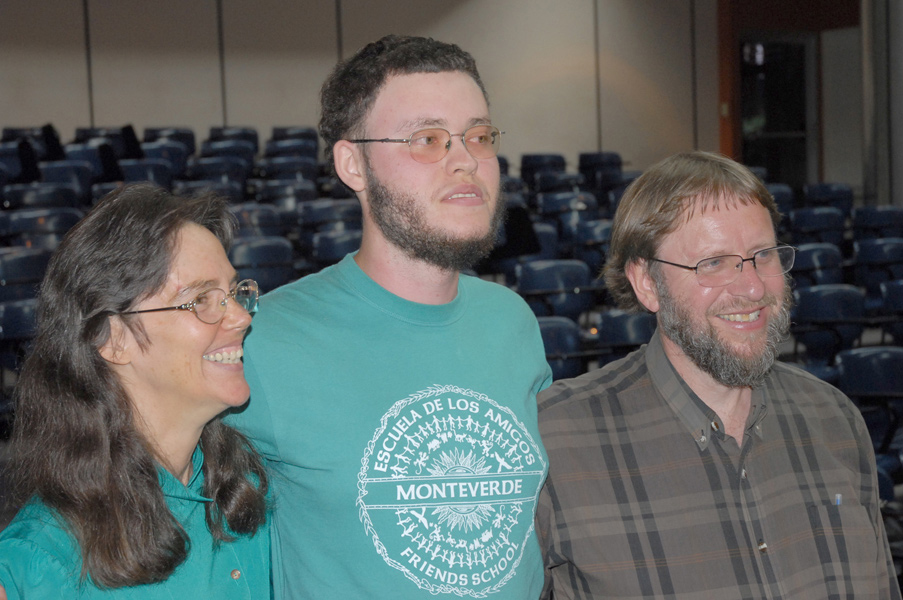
(531, 164)
(563, 346)
(21, 272)
(836, 195)
(247, 134)
(100, 155)
(871, 222)
(817, 264)
(38, 227)
(547, 240)
(39, 195)
(154, 170)
(329, 247)
(827, 319)
(620, 332)
(242, 149)
(892, 293)
(601, 171)
(75, 173)
(266, 259)
(183, 135)
(566, 211)
(558, 182)
(9, 158)
(20, 160)
(174, 153)
(287, 167)
(873, 378)
(561, 287)
(232, 190)
(326, 214)
(285, 197)
(255, 219)
(783, 197)
(817, 224)
(295, 133)
(219, 168)
(33, 135)
(877, 261)
(292, 147)
(591, 243)
(108, 135)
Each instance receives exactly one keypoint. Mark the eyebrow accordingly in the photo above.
(196, 287)
(413, 125)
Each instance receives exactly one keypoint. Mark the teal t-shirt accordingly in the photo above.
(39, 559)
(402, 438)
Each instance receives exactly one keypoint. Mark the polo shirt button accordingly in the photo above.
(763, 547)
(236, 574)
(743, 474)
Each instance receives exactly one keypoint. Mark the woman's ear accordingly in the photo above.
(643, 284)
(349, 165)
(118, 347)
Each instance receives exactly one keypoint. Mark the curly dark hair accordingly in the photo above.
(666, 195)
(350, 90)
(75, 444)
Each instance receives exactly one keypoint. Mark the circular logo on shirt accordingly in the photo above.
(447, 490)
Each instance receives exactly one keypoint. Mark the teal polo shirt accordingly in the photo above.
(39, 559)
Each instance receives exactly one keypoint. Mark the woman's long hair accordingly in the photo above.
(75, 444)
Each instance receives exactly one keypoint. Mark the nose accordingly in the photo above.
(749, 283)
(236, 316)
(459, 157)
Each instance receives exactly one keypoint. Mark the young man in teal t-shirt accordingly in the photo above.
(394, 397)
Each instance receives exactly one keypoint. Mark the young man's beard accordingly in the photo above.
(402, 221)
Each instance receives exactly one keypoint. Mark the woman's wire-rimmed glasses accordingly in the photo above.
(431, 145)
(719, 271)
(210, 305)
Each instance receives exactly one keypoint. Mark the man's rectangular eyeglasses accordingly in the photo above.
(431, 145)
(210, 305)
(719, 271)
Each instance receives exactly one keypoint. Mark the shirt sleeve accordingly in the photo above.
(27, 571)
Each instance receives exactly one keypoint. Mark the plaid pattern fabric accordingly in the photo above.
(647, 498)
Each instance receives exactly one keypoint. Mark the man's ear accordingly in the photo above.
(349, 165)
(119, 345)
(643, 286)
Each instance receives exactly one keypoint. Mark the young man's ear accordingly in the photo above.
(643, 286)
(119, 345)
(349, 165)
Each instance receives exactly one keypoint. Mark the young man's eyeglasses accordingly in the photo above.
(719, 271)
(210, 305)
(431, 145)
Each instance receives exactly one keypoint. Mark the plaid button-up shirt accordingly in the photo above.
(647, 497)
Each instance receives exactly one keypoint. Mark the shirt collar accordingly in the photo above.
(173, 488)
(701, 421)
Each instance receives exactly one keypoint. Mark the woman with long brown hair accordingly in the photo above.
(132, 485)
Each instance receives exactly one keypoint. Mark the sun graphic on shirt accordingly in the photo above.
(468, 516)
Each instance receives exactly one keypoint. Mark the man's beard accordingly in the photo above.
(700, 341)
(402, 220)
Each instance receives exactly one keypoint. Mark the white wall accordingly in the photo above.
(158, 63)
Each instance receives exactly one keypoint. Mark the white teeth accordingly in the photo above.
(229, 358)
(453, 196)
(742, 318)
